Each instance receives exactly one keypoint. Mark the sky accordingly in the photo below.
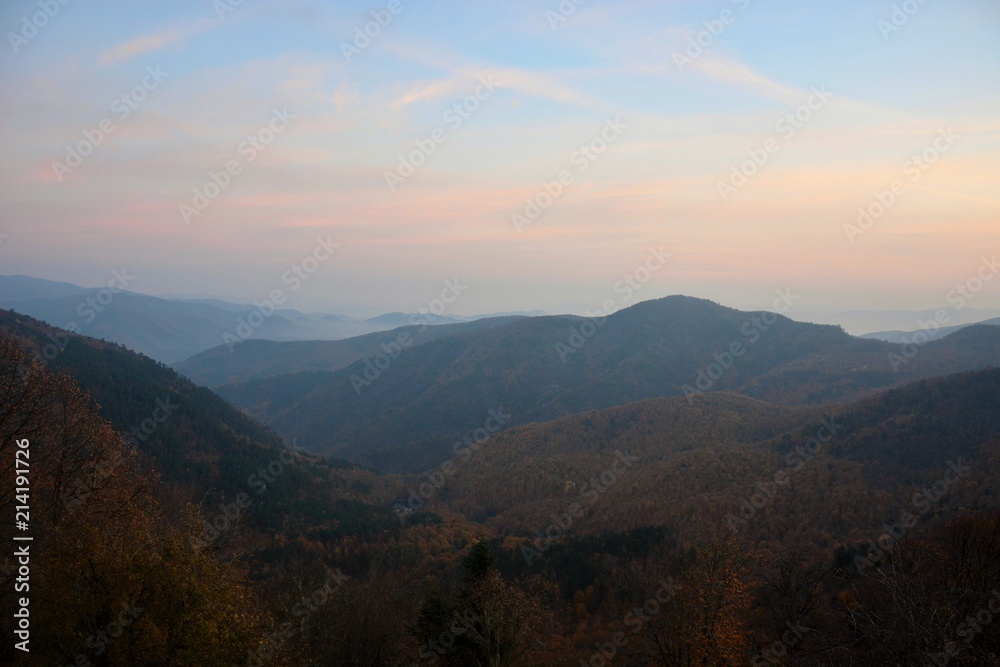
(539, 155)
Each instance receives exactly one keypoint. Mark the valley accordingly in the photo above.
(803, 461)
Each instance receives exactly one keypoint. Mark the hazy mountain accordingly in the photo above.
(127, 387)
(254, 359)
(860, 322)
(168, 330)
(26, 288)
(172, 330)
(405, 413)
(932, 332)
(511, 313)
(197, 442)
(397, 319)
(159, 328)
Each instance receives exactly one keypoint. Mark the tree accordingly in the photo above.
(704, 621)
(116, 578)
(489, 623)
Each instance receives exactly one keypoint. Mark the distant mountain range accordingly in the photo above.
(675, 438)
(863, 322)
(879, 447)
(931, 332)
(172, 330)
(403, 410)
(254, 359)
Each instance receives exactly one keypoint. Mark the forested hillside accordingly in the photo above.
(408, 412)
(717, 530)
(253, 359)
(855, 465)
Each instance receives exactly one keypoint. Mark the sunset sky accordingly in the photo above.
(331, 114)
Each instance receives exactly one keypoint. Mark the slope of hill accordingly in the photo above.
(397, 319)
(169, 330)
(406, 413)
(861, 322)
(897, 336)
(626, 491)
(25, 288)
(200, 445)
(255, 359)
(821, 475)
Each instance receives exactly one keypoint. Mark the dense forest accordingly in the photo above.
(408, 411)
(171, 529)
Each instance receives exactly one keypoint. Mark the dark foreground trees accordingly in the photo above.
(490, 622)
(114, 577)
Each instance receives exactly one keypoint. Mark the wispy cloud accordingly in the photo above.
(423, 92)
(731, 71)
(528, 81)
(156, 41)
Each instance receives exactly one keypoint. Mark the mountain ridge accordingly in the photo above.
(434, 393)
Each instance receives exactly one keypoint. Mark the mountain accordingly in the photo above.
(577, 523)
(127, 388)
(201, 446)
(168, 330)
(405, 412)
(159, 328)
(26, 288)
(896, 336)
(174, 330)
(855, 465)
(253, 359)
(394, 320)
(859, 322)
